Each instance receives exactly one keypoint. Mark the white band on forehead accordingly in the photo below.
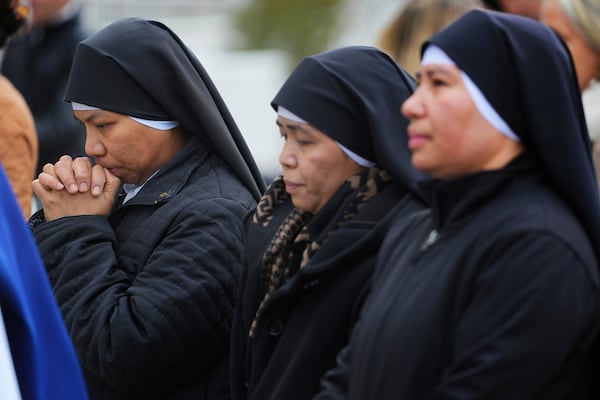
(363, 162)
(159, 125)
(434, 55)
(285, 113)
(82, 107)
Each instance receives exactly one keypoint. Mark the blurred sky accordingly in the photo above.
(247, 80)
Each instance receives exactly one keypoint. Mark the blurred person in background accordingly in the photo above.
(37, 62)
(144, 247)
(578, 23)
(18, 139)
(527, 8)
(414, 23)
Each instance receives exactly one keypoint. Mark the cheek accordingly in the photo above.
(128, 150)
(315, 175)
(449, 128)
(452, 127)
(321, 173)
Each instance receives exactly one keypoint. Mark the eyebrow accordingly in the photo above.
(294, 127)
(93, 116)
(432, 71)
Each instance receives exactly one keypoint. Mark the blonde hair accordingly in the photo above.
(585, 14)
(416, 22)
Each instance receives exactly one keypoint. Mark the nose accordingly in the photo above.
(287, 158)
(93, 145)
(413, 107)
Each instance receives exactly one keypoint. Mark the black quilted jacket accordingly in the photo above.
(148, 294)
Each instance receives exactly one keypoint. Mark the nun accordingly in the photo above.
(142, 241)
(494, 292)
(313, 238)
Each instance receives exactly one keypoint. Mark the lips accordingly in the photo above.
(290, 186)
(111, 169)
(416, 140)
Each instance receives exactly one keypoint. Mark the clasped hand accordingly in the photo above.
(75, 187)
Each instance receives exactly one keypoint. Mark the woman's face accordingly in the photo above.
(447, 135)
(130, 150)
(314, 167)
(587, 61)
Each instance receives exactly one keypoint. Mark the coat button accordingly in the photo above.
(275, 327)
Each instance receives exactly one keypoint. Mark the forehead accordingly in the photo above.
(283, 121)
(430, 70)
(292, 126)
(85, 115)
(304, 130)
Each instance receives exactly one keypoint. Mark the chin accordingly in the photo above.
(297, 204)
(300, 206)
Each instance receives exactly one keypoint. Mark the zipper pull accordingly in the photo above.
(431, 239)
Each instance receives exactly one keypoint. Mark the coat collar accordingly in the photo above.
(454, 200)
(172, 176)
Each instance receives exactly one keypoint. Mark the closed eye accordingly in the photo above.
(102, 125)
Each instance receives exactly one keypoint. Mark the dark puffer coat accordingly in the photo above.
(148, 294)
